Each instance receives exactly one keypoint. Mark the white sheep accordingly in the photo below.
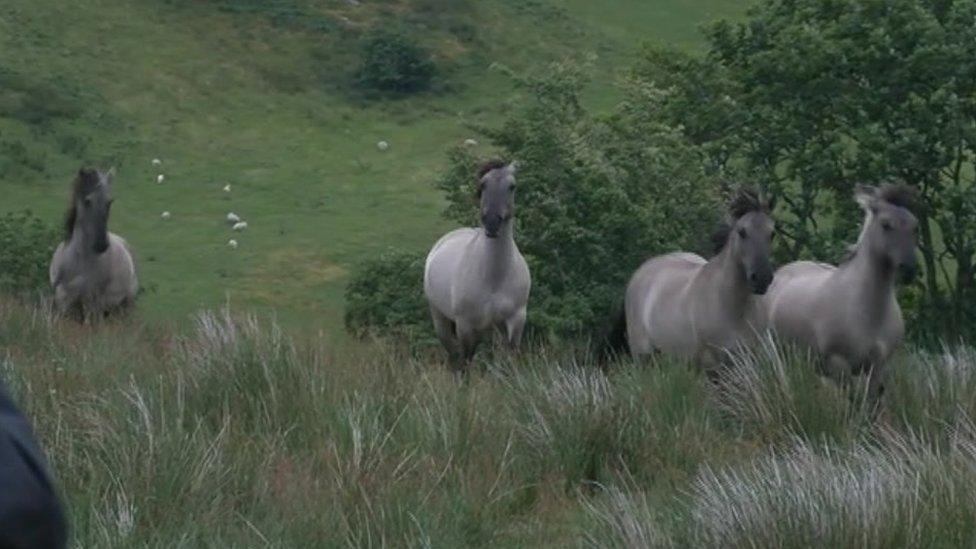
(232, 244)
(233, 218)
(160, 178)
(240, 226)
(470, 143)
(227, 188)
(157, 162)
(382, 145)
(165, 216)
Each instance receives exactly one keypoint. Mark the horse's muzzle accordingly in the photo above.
(493, 225)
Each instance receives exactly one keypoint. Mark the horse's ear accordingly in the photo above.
(110, 177)
(865, 195)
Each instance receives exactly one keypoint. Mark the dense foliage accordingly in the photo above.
(815, 96)
(394, 62)
(26, 246)
(386, 298)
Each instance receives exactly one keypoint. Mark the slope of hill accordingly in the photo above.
(260, 94)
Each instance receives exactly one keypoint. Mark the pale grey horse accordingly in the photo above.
(682, 305)
(476, 279)
(92, 271)
(849, 314)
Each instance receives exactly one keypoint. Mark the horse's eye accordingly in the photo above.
(742, 233)
(886, 225)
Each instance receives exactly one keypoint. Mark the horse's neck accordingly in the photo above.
(727, 283)
(82, 248)
(872, 282)
(497, 254)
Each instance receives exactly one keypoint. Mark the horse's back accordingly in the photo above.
(656, 315)
(442, 264)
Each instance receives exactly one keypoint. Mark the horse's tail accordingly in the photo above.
(614, 342)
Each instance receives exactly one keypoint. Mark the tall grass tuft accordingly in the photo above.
(776, 393)
(933, 393)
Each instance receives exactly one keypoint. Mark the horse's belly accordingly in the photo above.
(492, 310)
(669, 327)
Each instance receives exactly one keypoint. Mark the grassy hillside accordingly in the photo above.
(259, 94)
(232, 433)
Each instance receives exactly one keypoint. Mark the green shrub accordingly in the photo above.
(26, 246)
(385, 297)
(394, 62)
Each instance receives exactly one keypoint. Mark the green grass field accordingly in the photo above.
(258, 95)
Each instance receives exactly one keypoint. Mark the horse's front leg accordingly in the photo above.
(712, 362)
(836, 368)
(877, 373)
(514, 327)
(468, 337)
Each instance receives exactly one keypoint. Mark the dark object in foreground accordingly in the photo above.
(30, 513)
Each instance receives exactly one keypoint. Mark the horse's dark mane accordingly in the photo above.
(744, 202)
(902, 196)
(747, 201)
(85, 182)
(490, 165)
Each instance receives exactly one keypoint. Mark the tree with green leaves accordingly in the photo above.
(811, 97)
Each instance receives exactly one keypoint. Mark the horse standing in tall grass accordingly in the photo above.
(476, 279)
(683, 305)
(92, 271)
(849, 314)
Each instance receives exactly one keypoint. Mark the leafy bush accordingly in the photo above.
(26, 246)
(386, 298)
(394, 62)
